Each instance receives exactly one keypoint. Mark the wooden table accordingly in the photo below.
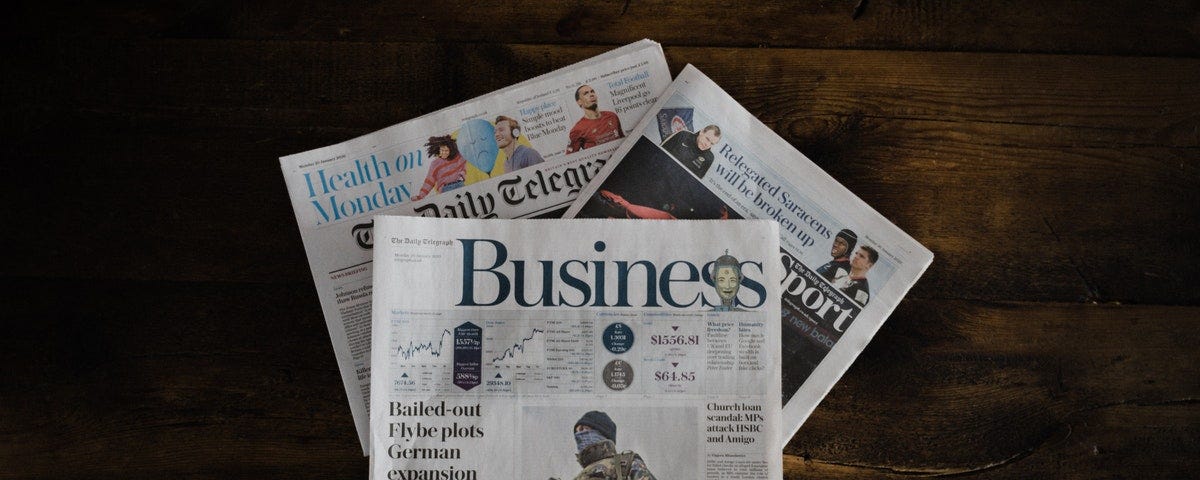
(160, 320)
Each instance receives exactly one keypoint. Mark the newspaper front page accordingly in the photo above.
(521, 151)
(699, 154)
(575, 349)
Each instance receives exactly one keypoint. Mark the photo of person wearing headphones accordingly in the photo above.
(516, 155)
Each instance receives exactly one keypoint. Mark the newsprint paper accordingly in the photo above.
(575, 349)
(521, 151)
(699, 154)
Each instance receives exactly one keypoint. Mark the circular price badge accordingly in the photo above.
(618, 375)
(617, 338)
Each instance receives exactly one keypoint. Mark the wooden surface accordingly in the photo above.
(160, 320)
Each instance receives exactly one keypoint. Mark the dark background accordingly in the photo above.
(160, 321)
(648, 176)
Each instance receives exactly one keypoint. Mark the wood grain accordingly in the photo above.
(178, 376)
(1045, 177)
(160, 319)
(996, 390)
(1158, 27)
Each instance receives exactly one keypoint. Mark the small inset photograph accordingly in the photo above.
(447, 167)
(672, 120)
(478, 150)
(595, 126)
(727, 280)
(687, 133)
(852, 266)
(515, 150)
(853, 280)
(694, 149)
(636, 443)
(648, 183)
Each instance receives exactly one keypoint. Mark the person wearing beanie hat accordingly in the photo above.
(843, 244)
(596, 447)
(600, 422)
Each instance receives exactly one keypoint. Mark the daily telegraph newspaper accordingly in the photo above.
(522, 151)
(575, 349)
(699, 154)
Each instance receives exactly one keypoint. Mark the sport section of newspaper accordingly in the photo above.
(575, 349)
(522, 151)
(700, 154)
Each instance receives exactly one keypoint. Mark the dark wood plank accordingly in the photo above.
(1001, 390)
(1032, 177)
(1160, 27)
(141, 380)
(215, 380)
(160, 321)
(1102, 442)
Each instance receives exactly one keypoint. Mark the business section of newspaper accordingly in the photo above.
(523, 151)
(588, 349)
(700, 154)
(541, 372)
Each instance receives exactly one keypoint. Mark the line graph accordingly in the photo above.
(520, 347)
(420, 352)
(434, 348)
(526, 350)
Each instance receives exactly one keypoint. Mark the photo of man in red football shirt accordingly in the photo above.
(596, 126)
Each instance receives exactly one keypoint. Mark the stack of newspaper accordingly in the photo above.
(691, 342)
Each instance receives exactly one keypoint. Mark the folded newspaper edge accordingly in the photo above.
(675, 164)
(542, 348)
(516, 152)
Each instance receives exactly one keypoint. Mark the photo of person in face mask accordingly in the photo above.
(596, 451)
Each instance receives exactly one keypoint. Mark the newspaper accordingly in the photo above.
(522, 151)
(699, 154)
(504, 348)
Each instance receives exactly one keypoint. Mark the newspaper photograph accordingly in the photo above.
(701, 155)
(575, 349)
(522, 151)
